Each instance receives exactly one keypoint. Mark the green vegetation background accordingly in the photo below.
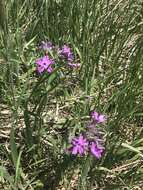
(107, 36)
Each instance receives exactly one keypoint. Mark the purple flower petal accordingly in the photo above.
(40, 69)
(75, 150)
(81, 151)
(50, 69)
(99, 118)
(96, 150)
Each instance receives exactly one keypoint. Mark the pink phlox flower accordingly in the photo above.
(79, 145)
(99, 118)
(96, 149)
(65, 52)
(44, 64)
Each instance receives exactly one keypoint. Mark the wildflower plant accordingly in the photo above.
(53, 62)
(91, 55)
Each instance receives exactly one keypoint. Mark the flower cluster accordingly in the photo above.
(80, 145)
(64, 53)
(90, 141)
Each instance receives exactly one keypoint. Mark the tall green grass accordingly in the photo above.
(107, 38)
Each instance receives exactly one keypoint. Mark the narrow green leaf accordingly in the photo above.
(13, 148)
(18, 169)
